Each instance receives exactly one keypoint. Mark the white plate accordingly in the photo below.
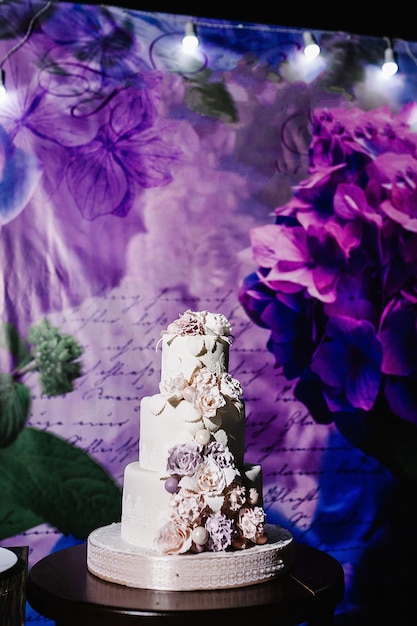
(7, 559)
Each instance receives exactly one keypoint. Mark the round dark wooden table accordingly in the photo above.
(61, 588)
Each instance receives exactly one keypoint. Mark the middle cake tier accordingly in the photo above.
(166, 422)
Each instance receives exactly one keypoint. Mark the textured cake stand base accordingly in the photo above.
(112, 559)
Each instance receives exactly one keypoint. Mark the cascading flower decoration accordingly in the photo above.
(336, 282)
(213, 507)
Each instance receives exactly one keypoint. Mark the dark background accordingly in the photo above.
(363, 18)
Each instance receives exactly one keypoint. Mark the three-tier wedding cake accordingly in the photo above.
(192, 509)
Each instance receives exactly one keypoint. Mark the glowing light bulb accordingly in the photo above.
(390, 66)
(190, 39)
(311, 47)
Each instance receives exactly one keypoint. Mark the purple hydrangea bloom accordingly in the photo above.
(336, 277)
(285, 315)
(125, 155)
(306, 259)
(348, 362)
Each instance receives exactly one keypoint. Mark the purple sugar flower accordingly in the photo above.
(221, 454)
(220, 529)
(184, 458)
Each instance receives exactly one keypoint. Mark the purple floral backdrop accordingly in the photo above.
(133, 178)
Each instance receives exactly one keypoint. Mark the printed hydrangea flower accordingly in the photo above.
(337, 271)
(348, 362)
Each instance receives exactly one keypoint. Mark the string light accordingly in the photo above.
(190, 40)
(311, 47)
(389, 67)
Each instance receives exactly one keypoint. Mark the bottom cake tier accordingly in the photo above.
(114, 560)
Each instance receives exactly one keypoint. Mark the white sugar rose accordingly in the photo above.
(173, 386)
(217, 324)
(208, 400)
(210, 478)
(207, 397)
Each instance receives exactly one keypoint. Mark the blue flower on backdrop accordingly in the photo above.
(336, 283)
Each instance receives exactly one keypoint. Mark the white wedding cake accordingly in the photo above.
(190, 502)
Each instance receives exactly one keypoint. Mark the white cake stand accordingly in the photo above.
(114, 560)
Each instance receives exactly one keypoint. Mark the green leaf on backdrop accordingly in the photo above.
(211, 99)
(14, 409)
(15, 519)
(43, 477)
(12, 342)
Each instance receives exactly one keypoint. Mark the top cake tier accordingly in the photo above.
(205, 341)
(198, 397)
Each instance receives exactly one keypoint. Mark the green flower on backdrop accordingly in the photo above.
(43, 478)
